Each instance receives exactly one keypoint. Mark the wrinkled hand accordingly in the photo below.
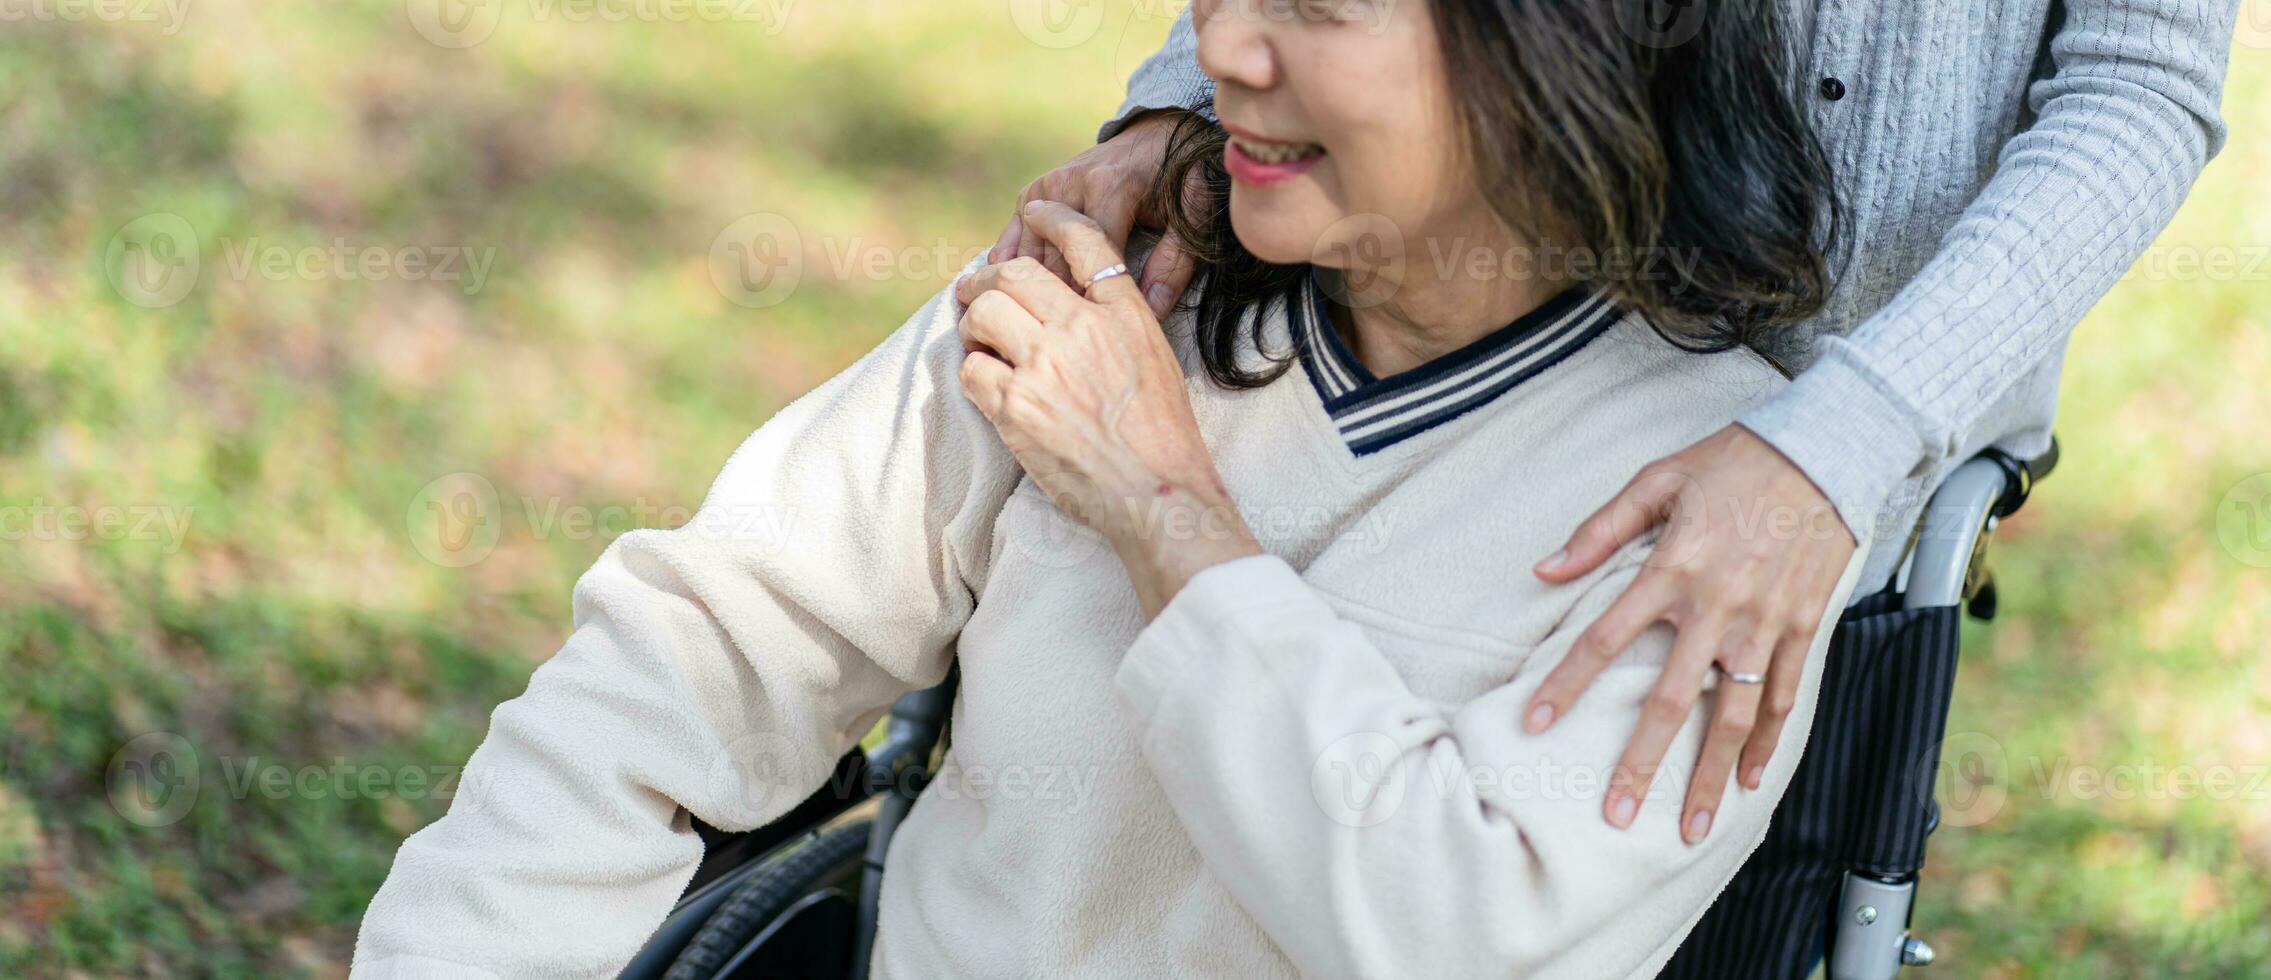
(1088, 395)
(1750, 555)
(1112, 183)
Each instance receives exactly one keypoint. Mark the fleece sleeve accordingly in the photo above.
(717, 669)
(1375, 833)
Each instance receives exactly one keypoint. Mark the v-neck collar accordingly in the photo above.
(1375, 413)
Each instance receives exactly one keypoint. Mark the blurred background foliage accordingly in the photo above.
(282, 593)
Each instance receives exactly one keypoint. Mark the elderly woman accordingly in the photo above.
(1242, 675)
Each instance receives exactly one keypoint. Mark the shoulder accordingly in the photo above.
(1627, 399)
(1661, 395)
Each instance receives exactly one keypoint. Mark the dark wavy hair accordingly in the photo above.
(1591, 125)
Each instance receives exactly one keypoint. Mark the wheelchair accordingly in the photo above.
(1834, 881)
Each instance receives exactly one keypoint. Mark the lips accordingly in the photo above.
(1261, 162)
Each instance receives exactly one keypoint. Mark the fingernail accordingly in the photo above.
(1554, 561)
(1621, 810)
(1698, 824)
(1034, 205)
(1753, 776)
(1156, 294)
(1540, 717)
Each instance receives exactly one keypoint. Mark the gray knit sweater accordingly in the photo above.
(2003, 166)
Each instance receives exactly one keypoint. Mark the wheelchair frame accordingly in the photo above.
(1945, 565)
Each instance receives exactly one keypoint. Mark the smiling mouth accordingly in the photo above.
(1270, 151)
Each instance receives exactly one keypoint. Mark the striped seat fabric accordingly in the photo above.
(1861, 799)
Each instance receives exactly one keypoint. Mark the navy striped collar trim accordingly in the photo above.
(1375, 413)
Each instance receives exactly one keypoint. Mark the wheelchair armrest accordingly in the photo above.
(1949, 534)
(1960, 514)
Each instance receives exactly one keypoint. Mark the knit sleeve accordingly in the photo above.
(718, 669)
(1169, 79)
(1373, 833)
(2121, 130)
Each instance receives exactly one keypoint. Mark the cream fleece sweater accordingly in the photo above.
(1312, 762)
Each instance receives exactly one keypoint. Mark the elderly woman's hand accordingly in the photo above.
(1744, 585)
(1088, 395)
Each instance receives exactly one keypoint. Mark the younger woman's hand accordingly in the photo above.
(1112, 183)
(1088, 395)
(1750, 554)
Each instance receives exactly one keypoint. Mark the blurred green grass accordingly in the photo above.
(296, 427)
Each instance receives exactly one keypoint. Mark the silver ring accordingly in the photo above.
(1740, 677)
(1107, 272)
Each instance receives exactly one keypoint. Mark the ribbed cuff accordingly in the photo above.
(1848, 432)
(1202, 622)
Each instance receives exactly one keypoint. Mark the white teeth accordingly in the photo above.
(1276, 152)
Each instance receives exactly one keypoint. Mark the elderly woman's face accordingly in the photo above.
(1345, 149)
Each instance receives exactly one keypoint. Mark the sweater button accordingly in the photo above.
(1832, 89)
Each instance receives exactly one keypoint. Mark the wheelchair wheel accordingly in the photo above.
(794, 916)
